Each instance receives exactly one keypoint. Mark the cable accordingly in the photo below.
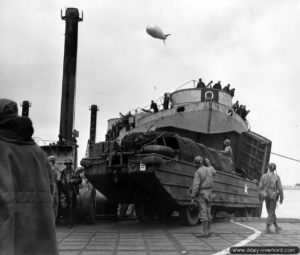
(297, 160)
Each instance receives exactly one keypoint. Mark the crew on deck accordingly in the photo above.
(217, 85)
(153, 106)
(200, 84)
(167, 100)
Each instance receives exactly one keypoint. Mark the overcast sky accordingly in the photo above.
(253, 45)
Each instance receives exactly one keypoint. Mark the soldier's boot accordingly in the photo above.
(267, 230)
(205, 233)
(208, 229)
(277, 228)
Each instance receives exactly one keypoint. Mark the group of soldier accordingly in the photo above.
(240, 109)
(124, 122)
(270, 186)
(217, 85)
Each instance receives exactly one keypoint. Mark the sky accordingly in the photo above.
(251, 44)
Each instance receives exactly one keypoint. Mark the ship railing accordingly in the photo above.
(184, 84)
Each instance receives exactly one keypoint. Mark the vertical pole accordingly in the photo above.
(25, 108)
(67, 113)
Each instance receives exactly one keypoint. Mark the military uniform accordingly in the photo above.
(202, 194)
(70, 189)
(271, 182)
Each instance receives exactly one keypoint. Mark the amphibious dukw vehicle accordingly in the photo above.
(147, 158)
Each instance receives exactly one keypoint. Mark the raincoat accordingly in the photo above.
(26, 215)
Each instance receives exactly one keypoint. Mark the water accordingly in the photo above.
(290, 208)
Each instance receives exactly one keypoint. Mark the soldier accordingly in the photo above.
(201, 193)
(153, 106)
(227, 88)
(200, 84)
(70, 189)
(167, 99)
(26, 216)
(217, 85)
(236, 105)
(228, 151)
(231, 92)
(55, 170)
(272, 184)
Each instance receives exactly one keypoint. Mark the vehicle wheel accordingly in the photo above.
(189, 215)
(144, 213)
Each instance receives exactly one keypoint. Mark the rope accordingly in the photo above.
(279, 155)
(185, 84)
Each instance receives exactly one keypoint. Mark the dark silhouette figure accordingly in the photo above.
(227, 88)
(153, 106)
(166, 101)
(236, 105)
(231, 92)
(200, 84)
(217, 85)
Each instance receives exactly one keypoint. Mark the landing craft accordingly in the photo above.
(156, 32)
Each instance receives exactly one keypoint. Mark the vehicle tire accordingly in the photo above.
(144, 213)
(159, 149)
(189, 215)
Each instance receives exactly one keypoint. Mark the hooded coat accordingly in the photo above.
(26, 214)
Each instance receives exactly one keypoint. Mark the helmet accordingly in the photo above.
(198, 160)
(227, 142)
(272, 166)
(206, 162)
(51, 159)
(8, 109)
(68, 161)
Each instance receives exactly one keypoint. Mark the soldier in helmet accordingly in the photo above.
(69, 187)
(228, 151)
(272, 184)
(202, 191)
(227, 148)
(55, 170)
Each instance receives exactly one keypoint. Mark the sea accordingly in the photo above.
(290, 208)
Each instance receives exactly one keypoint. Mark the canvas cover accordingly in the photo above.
(188, 149)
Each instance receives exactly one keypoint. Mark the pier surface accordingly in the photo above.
(129, 237)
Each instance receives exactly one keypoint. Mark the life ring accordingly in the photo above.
(159, 149)
(209, 95)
